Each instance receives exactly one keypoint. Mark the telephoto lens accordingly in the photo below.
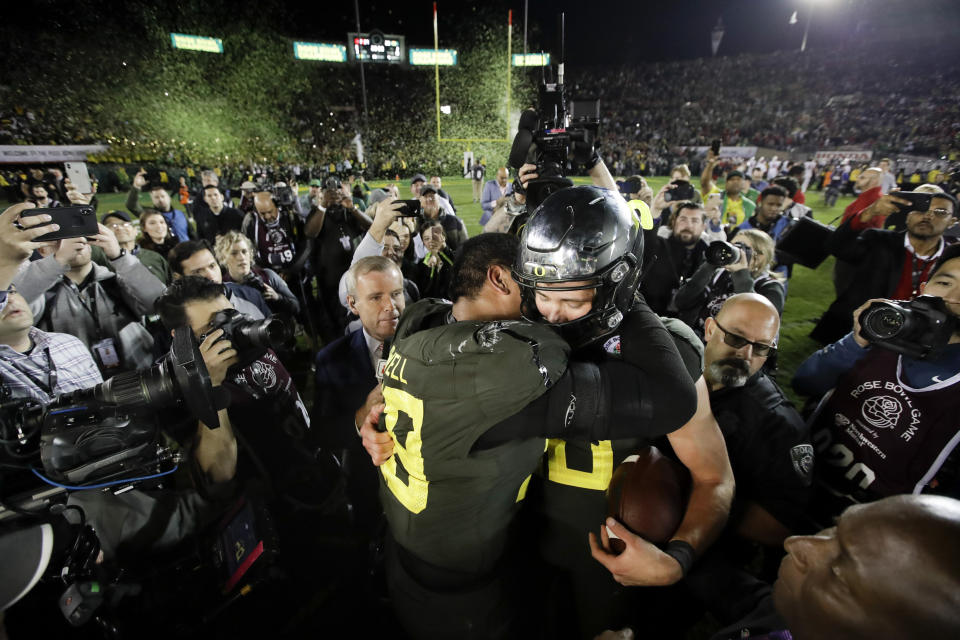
(721, 253)
(885, 321)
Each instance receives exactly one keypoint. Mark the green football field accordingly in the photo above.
(810, 292)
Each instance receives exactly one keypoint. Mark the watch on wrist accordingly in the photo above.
(122, 253)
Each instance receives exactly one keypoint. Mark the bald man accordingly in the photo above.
(888, 569)
(769, 446)
(495, 194)
(277, 235)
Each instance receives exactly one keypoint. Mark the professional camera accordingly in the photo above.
(93, 436)
(552, 139)
(721, 254)
(251, 280)
(251, 338)
(917, 328)
(283, 194)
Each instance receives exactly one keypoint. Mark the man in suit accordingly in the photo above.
(347, 385)
(495, 193)
(889, 264)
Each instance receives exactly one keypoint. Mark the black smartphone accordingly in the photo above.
(918, 201)
(410, 209)
(715, 147)
(75, 222)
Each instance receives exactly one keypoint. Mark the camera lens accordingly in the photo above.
(720, 254)
(883, 322)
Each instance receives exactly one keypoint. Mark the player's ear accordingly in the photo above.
(351, 302)
(498, 276)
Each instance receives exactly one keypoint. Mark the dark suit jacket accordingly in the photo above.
(344, 377)
(878, 256)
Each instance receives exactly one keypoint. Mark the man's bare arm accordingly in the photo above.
(706, 178)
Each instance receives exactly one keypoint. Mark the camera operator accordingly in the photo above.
(176, 220)
(889, 264)
(889, 425)
(704, 293)
(69, 293)
(217, 217)
(735, 207)
(277, 235)
(235, 252)
(196, 258)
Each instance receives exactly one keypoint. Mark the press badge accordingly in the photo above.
(107, 353)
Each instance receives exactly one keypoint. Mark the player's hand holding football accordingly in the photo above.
(641, 564)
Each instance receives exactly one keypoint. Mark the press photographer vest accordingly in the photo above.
(876, 436)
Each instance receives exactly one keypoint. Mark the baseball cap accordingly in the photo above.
(427, 188)
(418, 178)
(248, 185)
(315, 183)
(117, 214)
(735, 174)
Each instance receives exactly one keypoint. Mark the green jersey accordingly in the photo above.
(444, 385)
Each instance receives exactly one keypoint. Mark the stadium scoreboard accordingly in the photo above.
(376, 47)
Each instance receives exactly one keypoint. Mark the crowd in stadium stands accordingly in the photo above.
(340, 261)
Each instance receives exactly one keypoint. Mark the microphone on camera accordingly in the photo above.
(529, 120)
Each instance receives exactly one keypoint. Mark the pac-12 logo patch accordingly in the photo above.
(612, 345)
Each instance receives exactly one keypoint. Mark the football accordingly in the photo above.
(648, 494)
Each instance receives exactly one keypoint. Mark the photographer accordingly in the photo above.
(889, 426)
(889, 264)
(674, 192)
(277, 235)
(235, 252)
(265, 411)
(702, 295)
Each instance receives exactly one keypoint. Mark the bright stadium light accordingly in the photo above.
(445, 109)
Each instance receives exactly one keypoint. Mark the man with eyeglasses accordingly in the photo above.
(889, 264)
(122, 227)
(769, 445)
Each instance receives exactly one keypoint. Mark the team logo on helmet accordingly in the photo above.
(541, 270)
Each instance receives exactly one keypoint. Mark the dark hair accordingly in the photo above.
(391, 232)
(426, 224)
(170, 305)
(183, 250)
(211, 186)
(948, 196)
(687, 204)
(949, 253)
(778, 189)
(157, 187)
(795, 170)
(475, 257)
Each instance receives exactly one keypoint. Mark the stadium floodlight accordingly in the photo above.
(196, 43)
(445, 109)
(531, 59)
(433, 57)
(321, 51)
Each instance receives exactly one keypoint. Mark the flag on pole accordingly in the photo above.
(716, 36)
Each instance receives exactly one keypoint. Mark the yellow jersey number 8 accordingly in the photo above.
(412, 494)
